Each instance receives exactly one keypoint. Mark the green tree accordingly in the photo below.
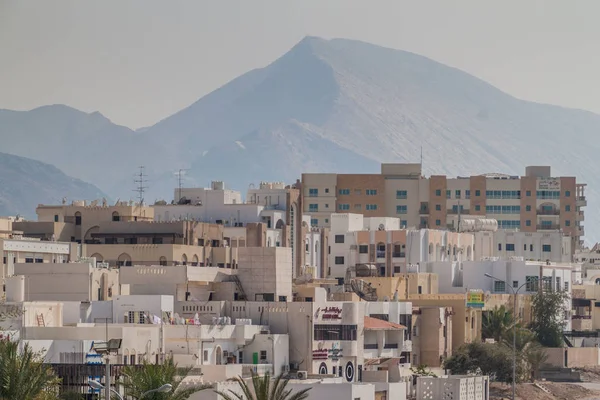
(496, 323)
(141, 379)
(530, 354)
(264, 388)
(548, 319)
(492, 359)
(23, 375)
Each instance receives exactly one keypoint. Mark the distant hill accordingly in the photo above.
(25, 183)
(325, 106)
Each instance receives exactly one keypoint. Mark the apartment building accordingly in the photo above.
(535, 202)
(381, 242)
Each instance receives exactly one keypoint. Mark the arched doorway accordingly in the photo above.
(124, 260)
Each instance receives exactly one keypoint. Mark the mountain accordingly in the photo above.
(331, 106)
(25, 183)
(87, 146)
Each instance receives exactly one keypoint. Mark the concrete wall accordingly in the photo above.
(573, 357)
(266, 271)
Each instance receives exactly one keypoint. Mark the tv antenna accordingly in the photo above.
(180, 175)
(140, 181)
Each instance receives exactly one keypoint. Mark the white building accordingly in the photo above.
(532, 246)
(379, 241)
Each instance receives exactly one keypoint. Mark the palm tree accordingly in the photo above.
(141, 379)
(263, 388)
(496, 323)
(23, 375)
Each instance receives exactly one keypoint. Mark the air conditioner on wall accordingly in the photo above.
(302, 375)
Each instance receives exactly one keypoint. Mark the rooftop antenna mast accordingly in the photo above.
(180, 174)
(140, 181)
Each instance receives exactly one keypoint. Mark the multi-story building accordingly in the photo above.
(273, 204)
(381, 242)
(536, 202)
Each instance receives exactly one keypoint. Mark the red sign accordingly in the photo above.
(332, 313)
(320, 354)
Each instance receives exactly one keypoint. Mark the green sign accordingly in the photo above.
(475, 299)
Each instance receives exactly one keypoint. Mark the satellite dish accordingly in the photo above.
(381, 227)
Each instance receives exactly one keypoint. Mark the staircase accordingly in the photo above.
(40, 319)
(240, 288)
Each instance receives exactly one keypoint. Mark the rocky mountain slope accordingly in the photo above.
(25, 183)
(329, 105)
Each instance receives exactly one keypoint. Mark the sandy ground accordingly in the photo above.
(559, 391)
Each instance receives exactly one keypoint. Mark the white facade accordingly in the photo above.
(534, 246)
(137, 309)
(453, 387)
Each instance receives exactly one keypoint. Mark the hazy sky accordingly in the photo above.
(140, 61)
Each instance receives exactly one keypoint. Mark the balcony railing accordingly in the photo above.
(370, 346)
(390, 346)
(455, 212)
(548, 226)
(424, 210)
(380, 254)
(548, 212)
(581, 317)
(399, 255)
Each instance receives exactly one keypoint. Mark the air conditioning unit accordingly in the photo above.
(302, 375)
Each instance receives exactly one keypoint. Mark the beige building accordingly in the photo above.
(534, 202)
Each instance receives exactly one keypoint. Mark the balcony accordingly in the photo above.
(579, 216)
(455, 212)
(581, 201)
(581, 323)
(399, 255)
(390, 346)
(380, 253)
(548, 227)
(548, 212)
(424, 211)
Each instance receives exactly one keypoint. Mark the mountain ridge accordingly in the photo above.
(342, 105)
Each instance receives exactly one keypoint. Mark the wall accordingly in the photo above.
(266, 270)
(575, 357)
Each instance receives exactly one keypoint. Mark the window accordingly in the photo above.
(567, 193)
(528, 222)
(510, 247)
(313, 192)
(401, 209)
(363, 249)
(477, 207)
(357, 192)
(531, 283)
(503, 194)
(515, 284)
(401, 194)
(398, 251)
(313, 207)
(344, 207)
(438, 192)
(314, 222)
(548, 194)
(403, 223)
(477, 193)
(326, 220)
(455, 209)
(457, 194)
(499, 246)
(438, 222)
(344, 192)
(326, 205)
(467, 194)
(29, 260)
(371, 207)
(499, 286)
(371, 192)
(546, 248)
(326, 190)
(339, 260)
(528, 193)
(527, 208)
(524, 247)
(566, 286)
(448, 194)
(339, 238)
(438, 207)
(567, 223)
(530, 247)
(335, 332)
(131, 317)
(39, 260)
(77, 219)
(567, 208)
(263, 355)
(56, 218)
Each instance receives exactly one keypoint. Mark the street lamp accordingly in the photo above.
(515, 292)
(163, 389)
